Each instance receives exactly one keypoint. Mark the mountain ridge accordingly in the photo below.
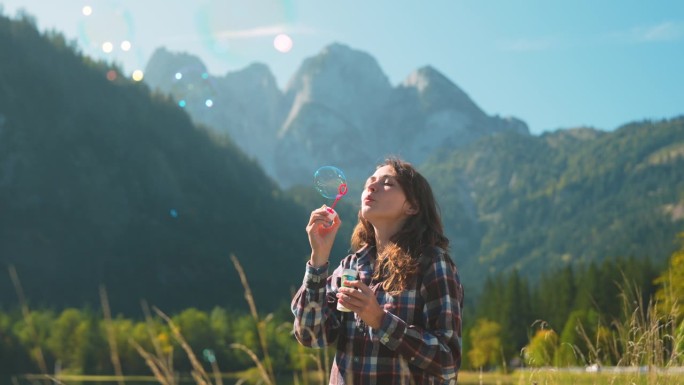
(340, 108)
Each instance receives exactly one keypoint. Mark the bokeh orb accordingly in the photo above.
(282, 43)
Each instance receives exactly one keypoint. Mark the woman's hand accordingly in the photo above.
(359, 298)
(321, 235)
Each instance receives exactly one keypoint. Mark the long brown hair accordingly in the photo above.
(399, 261)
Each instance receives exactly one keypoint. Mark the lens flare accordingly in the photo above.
(193, 87)
(282, 43)
(137, 75)
(111, 75)
(109, 22)
(107, 47)
(228, 29)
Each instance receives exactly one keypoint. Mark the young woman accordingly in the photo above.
(405, 321)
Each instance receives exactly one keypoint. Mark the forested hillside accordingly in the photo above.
(104, 183)
(534, 203)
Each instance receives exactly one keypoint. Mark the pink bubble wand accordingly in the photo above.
(341, 191)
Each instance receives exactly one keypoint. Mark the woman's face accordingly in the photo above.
(383, 199)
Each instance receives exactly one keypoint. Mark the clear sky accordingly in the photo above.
(553, 64)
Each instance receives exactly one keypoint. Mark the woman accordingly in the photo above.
(405, 324)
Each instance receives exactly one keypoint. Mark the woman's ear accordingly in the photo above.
(409, 209)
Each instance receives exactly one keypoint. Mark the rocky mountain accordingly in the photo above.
(246, 105)
(339, 108)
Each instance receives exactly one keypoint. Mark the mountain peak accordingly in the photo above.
(178, 60)
(340, 61)
(437, 92)
(337, 48)
(425, 75)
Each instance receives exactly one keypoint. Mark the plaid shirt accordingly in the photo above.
(418, 342)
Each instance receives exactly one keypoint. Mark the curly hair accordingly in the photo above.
(398, 263)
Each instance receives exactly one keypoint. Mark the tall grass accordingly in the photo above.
(160, 363)
(26, 314)
(644, 345)
(111, 336)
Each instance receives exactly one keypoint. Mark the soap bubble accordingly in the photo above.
(329, 181)
(209, 355)
(193, 87)
(105, 23)
(106, 30)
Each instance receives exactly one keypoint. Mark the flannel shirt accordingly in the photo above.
(418, 342)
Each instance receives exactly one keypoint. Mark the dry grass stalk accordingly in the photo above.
(262, 369)
(158, 363)
(198, 369)
(161, 372)
(261, 327)
(111, 337)
(643, 334)
(152, 331)
(643, 338)
(27, 318)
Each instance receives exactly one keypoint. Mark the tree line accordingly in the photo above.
(622, 311)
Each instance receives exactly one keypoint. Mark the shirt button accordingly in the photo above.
(356, 359)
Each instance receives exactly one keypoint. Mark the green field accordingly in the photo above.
(523, 377)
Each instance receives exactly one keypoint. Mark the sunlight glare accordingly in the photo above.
(137, 75)
(87, 10)
(282, 43)
(107, 47)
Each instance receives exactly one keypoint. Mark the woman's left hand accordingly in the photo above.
(361, 302)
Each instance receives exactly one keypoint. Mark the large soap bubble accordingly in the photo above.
(329, 181)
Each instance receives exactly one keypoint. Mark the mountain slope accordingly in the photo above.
(103, 183)
(569, 197)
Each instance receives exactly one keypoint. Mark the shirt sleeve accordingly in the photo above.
(437, 347)
(316, 323)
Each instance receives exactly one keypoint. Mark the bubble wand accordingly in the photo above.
(341, 191)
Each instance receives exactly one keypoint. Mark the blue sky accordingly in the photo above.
(553, 64)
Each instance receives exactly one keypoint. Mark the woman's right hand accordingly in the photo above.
(321, 235)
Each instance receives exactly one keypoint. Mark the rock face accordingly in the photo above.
(336, 98)
(245, 105)
(338, 109)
